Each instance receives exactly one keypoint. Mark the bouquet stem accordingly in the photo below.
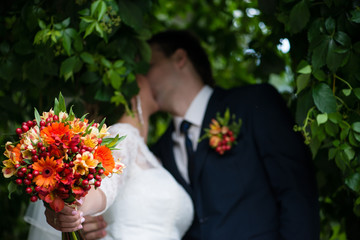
(78, 235)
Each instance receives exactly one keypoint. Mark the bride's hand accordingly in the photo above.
(67, 220)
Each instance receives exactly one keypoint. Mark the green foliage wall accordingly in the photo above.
(325, 55)
(87, 50)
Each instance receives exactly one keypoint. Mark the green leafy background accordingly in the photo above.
(87, 50)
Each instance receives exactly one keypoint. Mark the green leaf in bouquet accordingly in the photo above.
(37, 117)
(11, 188)
(88, 130)
(112, 142)
(71, 115)
(28, 161)
(56, 106)
(60, 105)
(101, 124)
(83, 117)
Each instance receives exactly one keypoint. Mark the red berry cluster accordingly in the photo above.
(25, 175)
(225, 143)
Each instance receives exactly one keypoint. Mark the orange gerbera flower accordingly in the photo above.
(48, 169)
(103, 154)
(56, 133)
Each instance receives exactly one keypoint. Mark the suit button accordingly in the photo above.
(203, 220)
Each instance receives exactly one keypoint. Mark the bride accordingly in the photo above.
(144, 202)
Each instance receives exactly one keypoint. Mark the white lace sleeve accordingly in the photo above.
(128, 150)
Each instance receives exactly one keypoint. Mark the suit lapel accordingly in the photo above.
(203, 147)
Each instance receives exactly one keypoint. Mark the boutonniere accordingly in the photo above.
(223, 132)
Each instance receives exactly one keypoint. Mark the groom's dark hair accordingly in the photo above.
(171, 40)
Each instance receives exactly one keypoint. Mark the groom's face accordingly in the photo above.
(161, 76)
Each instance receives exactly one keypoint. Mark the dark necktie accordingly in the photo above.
(184, 128)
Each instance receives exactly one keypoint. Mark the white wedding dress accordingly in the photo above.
(143, 203)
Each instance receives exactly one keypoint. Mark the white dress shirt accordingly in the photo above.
(195, 115)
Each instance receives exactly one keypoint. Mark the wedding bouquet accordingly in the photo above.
(59, 157)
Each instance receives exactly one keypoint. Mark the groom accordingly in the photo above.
(262, 188)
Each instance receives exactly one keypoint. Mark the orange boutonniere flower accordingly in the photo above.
(223, 132)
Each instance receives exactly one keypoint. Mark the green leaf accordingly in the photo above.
(101, 124)
(353, 182)
(319, 54)
(319, 74)
(335, 117)
(355, 16)
(112, 142)
(302, 81)
(90, 29)
(299, 17)
(321, 118)
(342, 38)
(88, 19)
(357, 136)
(333, 59)
(352, 139)
(99, 29)
(71, 115)
(62, 105)
(115, 79)
(349, 153)
(331, 129)
(42, 24)
(131, 13)
(94, 7)
(83, 117)
(106, 62)
(346, 92)
(67, 44)
(332, 153)
(356, 127)
(357, 92)
(37, 117)
(65, 23)
(100, 10)
(344, 133)
(118, 63)
(324, 98)
(67, 67)
(303, 67)
(330, 25)
(119, 99)
(11, 188)
(87, 58)
(71, 32)
(340, 161)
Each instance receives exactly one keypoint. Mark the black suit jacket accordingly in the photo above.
(264, 187)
